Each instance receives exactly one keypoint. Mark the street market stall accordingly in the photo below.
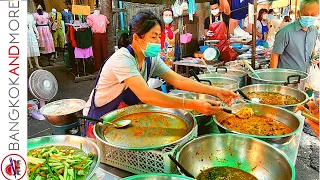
(256, 137)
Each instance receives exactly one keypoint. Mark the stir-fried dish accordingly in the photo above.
(225, 173)
(249, 123)
(273, 98)
(58, 163)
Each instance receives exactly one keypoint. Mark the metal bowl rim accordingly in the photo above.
(266, 137)
(151, 147)
(251, 75)
(87, 139)
(46, 105)
(156, 175)
(293, 172)
(286, 87)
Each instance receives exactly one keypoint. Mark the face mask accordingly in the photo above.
(265, 16)
(215, 11)
(167, 20)
(307, 21)
(152, 49)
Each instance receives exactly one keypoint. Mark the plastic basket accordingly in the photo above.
(142, 162)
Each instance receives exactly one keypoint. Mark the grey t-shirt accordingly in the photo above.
(295, 46)
(119, 67)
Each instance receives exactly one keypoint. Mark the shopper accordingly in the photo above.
(295, 43)
(122, 78)
(262, 24)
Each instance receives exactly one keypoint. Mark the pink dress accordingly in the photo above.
(46, 43)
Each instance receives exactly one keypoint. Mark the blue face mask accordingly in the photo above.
(307, 21)
(152, 49)
(167, 20)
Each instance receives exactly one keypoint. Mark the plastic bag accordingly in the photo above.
(226, 52)
(314, 75)
(177, 9)
(219, 30)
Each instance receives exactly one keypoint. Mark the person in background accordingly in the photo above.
(262, 24)
(271, 14)
(295, 43)
(220, 11)
(122, 79)
(168, 38)
(314, 111)
(286, 20)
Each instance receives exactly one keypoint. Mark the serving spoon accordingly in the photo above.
(119, 124)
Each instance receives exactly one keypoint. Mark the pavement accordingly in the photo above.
(307, 164)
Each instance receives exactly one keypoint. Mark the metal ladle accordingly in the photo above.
(119, 124)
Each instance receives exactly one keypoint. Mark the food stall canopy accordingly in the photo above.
(284, 3)
(160, 1)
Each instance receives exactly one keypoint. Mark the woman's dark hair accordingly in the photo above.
(140, 24)
(261, 12)
(270, 11)
(287, 19)
(213, 2)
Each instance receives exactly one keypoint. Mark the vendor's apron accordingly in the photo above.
(167, 53)
(264, 31)
(218, 28)
(126, 98)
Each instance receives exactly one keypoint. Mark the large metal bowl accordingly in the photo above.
(157, 177)
(282, 115)
(72, 109)
(69, 140)
(300, 95)
(221, 80)
(206, 124)
(186, 116)
(233, 73)
(286, 77)
(239, 151)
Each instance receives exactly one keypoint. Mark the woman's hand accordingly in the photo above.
(205, 106)
(226, 96)
(315, 112)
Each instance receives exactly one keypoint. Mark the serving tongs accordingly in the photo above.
(310, 116)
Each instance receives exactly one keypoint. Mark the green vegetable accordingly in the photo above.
(35, 161)
(58, 163)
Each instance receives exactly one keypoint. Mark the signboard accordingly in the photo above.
(79, 9)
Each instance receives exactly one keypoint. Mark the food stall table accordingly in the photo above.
(188, 65)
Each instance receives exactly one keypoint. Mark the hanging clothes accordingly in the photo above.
(46, 43)
(167, 46)
(83, 37)
(58, 34)
(33, 47)
(67, 16)
(99, 23)
(83, 52)
(239, 8)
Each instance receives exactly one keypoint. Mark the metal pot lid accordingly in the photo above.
(43, 85)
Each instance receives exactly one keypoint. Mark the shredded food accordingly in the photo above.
(273, 98)
(249, 123)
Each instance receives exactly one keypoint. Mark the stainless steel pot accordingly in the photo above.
(206, 124)
(286, 77)
(300, 95)
(157, 177)
(220, 80)
(233, 73)
(282, 115)
(114, 115)
(63, 112)
(249, 154)
(68, 140)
